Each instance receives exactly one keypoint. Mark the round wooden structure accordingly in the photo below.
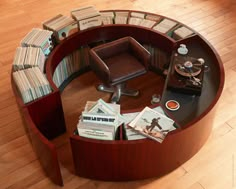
(121, 160)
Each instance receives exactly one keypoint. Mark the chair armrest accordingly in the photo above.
(99, 67)
(140, 52)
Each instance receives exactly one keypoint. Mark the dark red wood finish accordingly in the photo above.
(111, 32)
(44, 149)
(140, 159)
(47, 114)
(131, 160)
(119, 160)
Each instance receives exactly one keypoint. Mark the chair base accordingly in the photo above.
(117, 91)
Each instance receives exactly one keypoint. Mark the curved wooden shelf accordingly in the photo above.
(121, 160)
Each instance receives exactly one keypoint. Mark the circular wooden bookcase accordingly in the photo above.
(121, 160)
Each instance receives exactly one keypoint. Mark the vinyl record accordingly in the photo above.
(189, 68)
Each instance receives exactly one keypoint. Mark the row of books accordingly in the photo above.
(28, 57)
(100, 120)
(86, 17)
(141, 19)
(82, 18)
(31, 84)
(70, 64)
(33, 50)
(38, 43)
(167, 26)
(155, 22)
(29, 64)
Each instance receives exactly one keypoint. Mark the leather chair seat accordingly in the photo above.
(124, 67)
(117, 62)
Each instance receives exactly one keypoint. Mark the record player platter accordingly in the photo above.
(188, 68)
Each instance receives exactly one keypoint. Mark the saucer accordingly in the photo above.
(172, 105)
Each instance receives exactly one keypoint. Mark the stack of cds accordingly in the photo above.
(182, 32)
(39, 38)
(31, 84)
(87, 17)
(121, 17)
(139, 19)
(62, 26)
(165, 25)
(27, 57)
(107, 18)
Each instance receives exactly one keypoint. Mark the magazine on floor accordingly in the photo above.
(152, 124)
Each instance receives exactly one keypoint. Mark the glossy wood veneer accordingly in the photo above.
(122, 160)
(130, 160)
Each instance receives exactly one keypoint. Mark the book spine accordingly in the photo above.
(90, 22)
(96, 134)
(95, 118)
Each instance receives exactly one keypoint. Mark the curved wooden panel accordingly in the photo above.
(43, 112)
(139, 159)
(45, 150)
(193, 107)
(109, 32)
(125, 160)
(47, 114)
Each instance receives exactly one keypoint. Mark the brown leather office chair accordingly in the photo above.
(117, 62)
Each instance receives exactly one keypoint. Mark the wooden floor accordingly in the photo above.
(214, 167)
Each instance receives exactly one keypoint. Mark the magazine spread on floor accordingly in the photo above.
(152, 124)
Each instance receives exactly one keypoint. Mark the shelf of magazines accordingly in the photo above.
(101, 121)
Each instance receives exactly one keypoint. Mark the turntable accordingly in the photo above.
(186, 74)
